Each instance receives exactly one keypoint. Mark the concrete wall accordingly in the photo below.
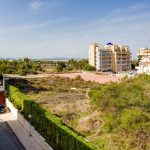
(40, 140)
(13, 110)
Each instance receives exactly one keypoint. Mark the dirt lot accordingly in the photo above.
(66, 95)
(86, 76)
(93, 77)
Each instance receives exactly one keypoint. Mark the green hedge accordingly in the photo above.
(59, 136)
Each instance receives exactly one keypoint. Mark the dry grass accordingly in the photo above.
(62, 96)
(68, 98)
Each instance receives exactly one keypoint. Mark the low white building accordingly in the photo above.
(144, 66)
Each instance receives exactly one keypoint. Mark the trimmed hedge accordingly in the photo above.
(59, 136)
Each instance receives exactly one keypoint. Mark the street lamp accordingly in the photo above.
(29, 116)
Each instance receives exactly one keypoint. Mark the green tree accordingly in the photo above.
(139, 58)
(60, 66)
(76, 64)
(19, 67)
(134, 63)
(88, 67)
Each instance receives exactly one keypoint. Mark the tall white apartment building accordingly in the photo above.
(114, 58)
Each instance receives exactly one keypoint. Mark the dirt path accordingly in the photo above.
(87, 98)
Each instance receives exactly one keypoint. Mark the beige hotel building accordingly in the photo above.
(110, 57)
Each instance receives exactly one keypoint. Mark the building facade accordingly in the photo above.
(92, 54)
(144, 61)
(110, 57)
(144, 52)
(103, 59)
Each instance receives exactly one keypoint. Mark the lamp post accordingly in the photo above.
(29, 116)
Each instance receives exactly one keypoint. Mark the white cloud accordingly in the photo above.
(35, 5)
(38, 5)
(129, 26)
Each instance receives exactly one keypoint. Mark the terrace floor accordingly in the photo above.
(8, 140)
(13, 136)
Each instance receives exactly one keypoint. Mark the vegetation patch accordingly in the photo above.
(48, 125)
(115, 116)
(125, 109)
(20, 67)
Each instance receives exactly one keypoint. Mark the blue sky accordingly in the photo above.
(65, 28)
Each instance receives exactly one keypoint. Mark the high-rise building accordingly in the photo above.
(92, 54)
(110, 57)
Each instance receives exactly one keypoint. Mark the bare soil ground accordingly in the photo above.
(62, 96)
(93, 77)
(100, 78)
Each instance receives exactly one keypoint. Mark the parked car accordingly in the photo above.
(2, 108)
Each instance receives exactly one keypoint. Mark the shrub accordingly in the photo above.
(125, 109)
(88, 67)
(78, 77)
(134, 119)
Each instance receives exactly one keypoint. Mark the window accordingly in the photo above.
(104, 53)
(104, 62)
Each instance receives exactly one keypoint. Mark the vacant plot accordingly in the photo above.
(85, 76)
(64, 97)
(93, 77)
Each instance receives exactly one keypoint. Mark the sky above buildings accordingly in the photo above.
(65, 28)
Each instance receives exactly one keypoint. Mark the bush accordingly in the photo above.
(134, 119)
(48, 125)
(88, 67)
(125, 109)
(78, 77)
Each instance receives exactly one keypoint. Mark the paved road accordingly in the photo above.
(8, 140)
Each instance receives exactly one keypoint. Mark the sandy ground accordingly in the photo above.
(86, 76)
(93, 77)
